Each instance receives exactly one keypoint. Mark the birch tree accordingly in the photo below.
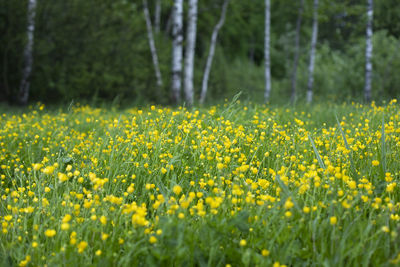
(267, 51)
(368, 52)
(177, 50)
(152, 46)
(28, 57)
(297, 51)
(189, 53)
(157, 16)
(214, 36)
(312, 53)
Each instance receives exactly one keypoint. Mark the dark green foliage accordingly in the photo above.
(98, 50)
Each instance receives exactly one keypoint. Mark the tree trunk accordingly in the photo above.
(368, 53)
(297, 52)
(189, 54)
(204, 85)
(177, 50)
(23, 95)
(267, 50)
(312, 53)
(157, 16)
(152, 46)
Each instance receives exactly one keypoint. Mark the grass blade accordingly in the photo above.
(383, 145)
(354, 171)
(321, 163)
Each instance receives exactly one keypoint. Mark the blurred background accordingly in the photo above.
(98, 50)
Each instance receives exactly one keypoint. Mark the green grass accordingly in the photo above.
(233, 184)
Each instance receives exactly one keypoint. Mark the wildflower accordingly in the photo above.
(103, 220)
(48, 170)
(265, 252)
(50, 232)
(177, 189)
(242, 243)
(104, 236)
(62, 177)
(152, 239)
(64, 226)
(375, 163)
(82, 246)
(66, 218)
(288, 204)
(333, 220)
(37, 166)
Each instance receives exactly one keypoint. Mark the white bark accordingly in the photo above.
(204, 85)
(152, 45)
(157, 16)
(312, 53)
(368, 52)
(297, 51)
(28, 57)
(189, 53)
(267, 51)
(177, 50)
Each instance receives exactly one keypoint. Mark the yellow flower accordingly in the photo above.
(37, 166)
(62, 177)
(104, 236)
(375, 163)
(333, 220)
(66, 218)
(306, 210)
(288, 204)
(65, 226)
(265, 252)
(50, 232)
(82, 246)
(103, 220)
(385, 229)
(220, 166)
(48, 170)
(177, 189)
(98, 252)
(152, 239)
(242, 243)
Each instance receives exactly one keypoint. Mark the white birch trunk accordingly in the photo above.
(312, 53)
(152, 46)
(28, 57)
(297, 52)
(177, 50)
(267, 51)
(204, 85)
(157, 16)
(368, 52)
(189, 53)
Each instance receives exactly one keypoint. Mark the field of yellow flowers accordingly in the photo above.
(228, 185)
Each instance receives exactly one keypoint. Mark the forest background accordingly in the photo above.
(98, 51)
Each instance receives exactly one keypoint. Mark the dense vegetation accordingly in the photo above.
(228, 185)
(99, 50)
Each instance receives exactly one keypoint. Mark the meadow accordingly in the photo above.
(229, 185)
